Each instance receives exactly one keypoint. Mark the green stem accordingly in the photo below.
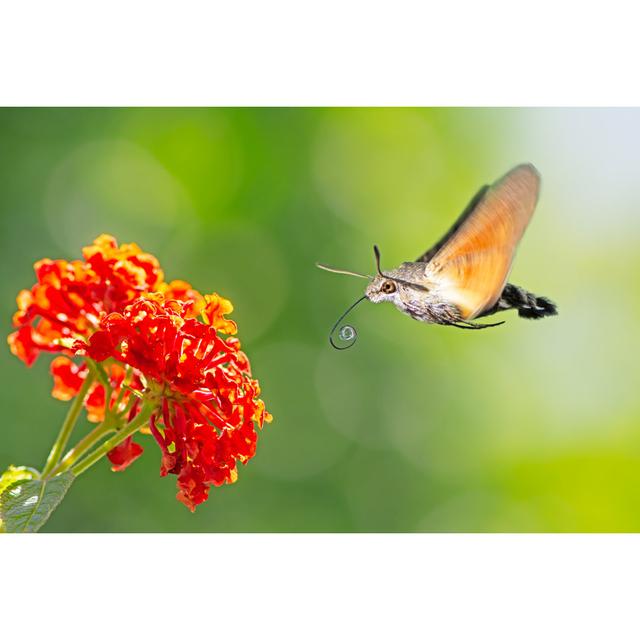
(68, 424)
(103, 377)
(92, 438)
(132, 400)
(114, 441)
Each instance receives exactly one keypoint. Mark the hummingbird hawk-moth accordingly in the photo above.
(464, 276)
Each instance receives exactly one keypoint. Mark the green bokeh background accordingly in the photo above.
(529, 427)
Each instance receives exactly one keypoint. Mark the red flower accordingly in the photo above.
(151, 339)
(210, 404)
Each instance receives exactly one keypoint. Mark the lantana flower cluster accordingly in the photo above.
(154, 342)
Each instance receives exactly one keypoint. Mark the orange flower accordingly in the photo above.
(69, 298)
(67, 377)
(125, 267)
(214, 312)
(182, 291)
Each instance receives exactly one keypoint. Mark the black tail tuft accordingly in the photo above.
(543, 308)
(528, 304)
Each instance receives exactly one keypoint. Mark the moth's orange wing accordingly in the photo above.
(471, 268)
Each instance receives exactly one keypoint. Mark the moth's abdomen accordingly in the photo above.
(431, 312)
(528, 304)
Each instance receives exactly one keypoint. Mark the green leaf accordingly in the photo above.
(27, 504)
(13, 474)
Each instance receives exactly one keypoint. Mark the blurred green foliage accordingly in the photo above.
(529, 427)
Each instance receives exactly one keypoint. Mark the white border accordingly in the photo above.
(333, 52)
(329, 53)
(321, 586)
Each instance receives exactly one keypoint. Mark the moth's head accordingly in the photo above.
(382, 289)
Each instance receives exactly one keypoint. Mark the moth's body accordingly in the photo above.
(464, 275)
(425, 305)
(433, 306)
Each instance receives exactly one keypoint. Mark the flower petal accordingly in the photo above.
(67, 377)
(124, 454)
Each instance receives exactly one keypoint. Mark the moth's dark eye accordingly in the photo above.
(388, 286)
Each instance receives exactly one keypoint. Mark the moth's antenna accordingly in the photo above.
(342, 271)
(347, 333)
(376, 252)
(414, 285)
